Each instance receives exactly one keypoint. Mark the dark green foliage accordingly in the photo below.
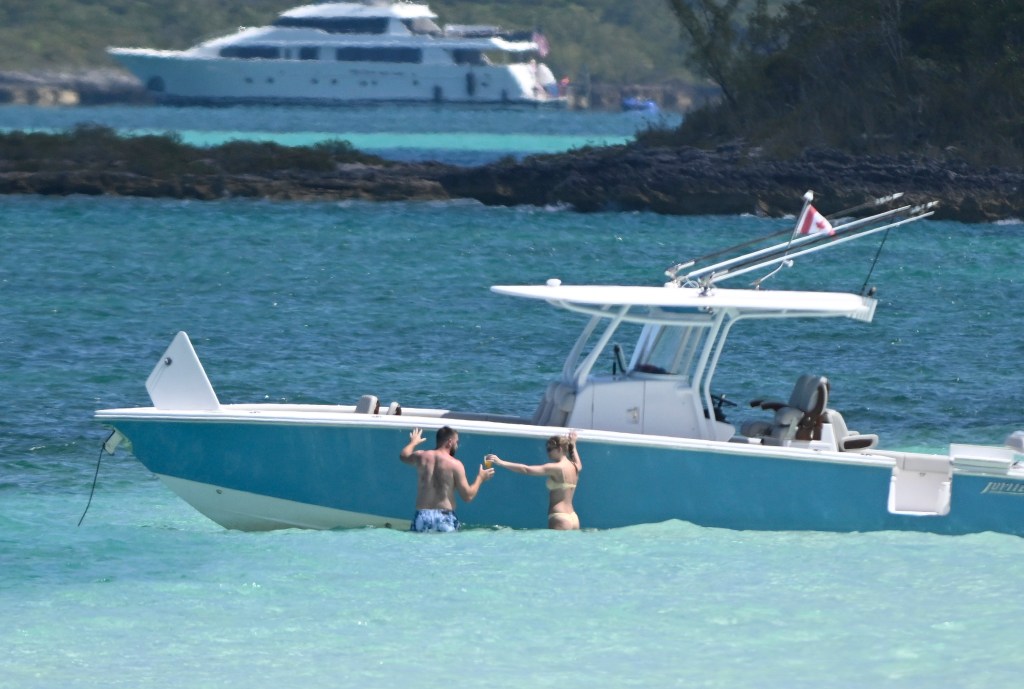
(65, 33)
(92, 147)
(240, 157)
(622, 41)
(873, 76)
(713, 31)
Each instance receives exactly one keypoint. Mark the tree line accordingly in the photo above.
(934, 77)
(634, 41)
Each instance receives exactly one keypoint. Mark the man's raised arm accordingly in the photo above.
(469, 490)
(408, 453)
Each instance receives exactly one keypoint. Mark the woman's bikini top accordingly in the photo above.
(552, 484)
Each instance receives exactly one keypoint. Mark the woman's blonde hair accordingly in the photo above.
(564, 445)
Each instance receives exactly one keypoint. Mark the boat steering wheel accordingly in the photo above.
(719, 401)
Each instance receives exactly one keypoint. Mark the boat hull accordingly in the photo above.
(245, 511)
(183, 79)
(255, 474)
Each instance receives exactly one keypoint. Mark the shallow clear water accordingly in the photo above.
(325, 302)
(459, 135)
(146, 594)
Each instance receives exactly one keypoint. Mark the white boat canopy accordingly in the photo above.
(402, 10)
(671, 304)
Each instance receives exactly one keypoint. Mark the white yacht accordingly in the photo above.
(374, 50)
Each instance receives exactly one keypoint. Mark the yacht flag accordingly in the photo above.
(542, 44)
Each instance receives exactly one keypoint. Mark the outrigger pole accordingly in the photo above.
(784, 252)
(872, 203)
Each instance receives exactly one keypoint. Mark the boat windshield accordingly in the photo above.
(668, 350)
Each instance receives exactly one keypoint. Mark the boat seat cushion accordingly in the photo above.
(368, 404)
(755, 429)
(556, 405)
(799, 418)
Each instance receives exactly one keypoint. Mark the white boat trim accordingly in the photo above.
(603, 300)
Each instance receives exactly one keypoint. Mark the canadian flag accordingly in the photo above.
(813, 222)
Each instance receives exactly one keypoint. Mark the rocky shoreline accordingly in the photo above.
(70, 87)
(732, 180)
(675, 181)
(681, 180)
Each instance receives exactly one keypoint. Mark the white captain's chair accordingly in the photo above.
(847, 440)
(798, 419)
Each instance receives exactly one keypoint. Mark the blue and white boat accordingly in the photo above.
(653, 435)
(638, 104)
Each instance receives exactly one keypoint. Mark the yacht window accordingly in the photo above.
(349, 25)
(422, 25)
(468, 57)
(382, 54)
(251, 52)
(309, 53)
(518, 35)
(498, 58)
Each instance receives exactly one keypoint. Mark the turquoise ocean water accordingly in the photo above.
(465, 136)
(325, 302)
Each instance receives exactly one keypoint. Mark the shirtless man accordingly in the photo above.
(440, 476)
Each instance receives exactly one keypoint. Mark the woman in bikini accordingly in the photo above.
(562, 472)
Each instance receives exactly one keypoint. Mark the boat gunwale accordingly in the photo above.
(433, 419)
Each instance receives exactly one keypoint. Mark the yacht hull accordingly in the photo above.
(182, 79)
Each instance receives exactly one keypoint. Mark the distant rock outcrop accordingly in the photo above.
(350, 182)
(678, 181)
(78, 87)
(730, 180)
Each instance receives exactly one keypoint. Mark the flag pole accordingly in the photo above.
(673, 272)
(800, 221)
(785, 246)
(808, 198)
(813, 242)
